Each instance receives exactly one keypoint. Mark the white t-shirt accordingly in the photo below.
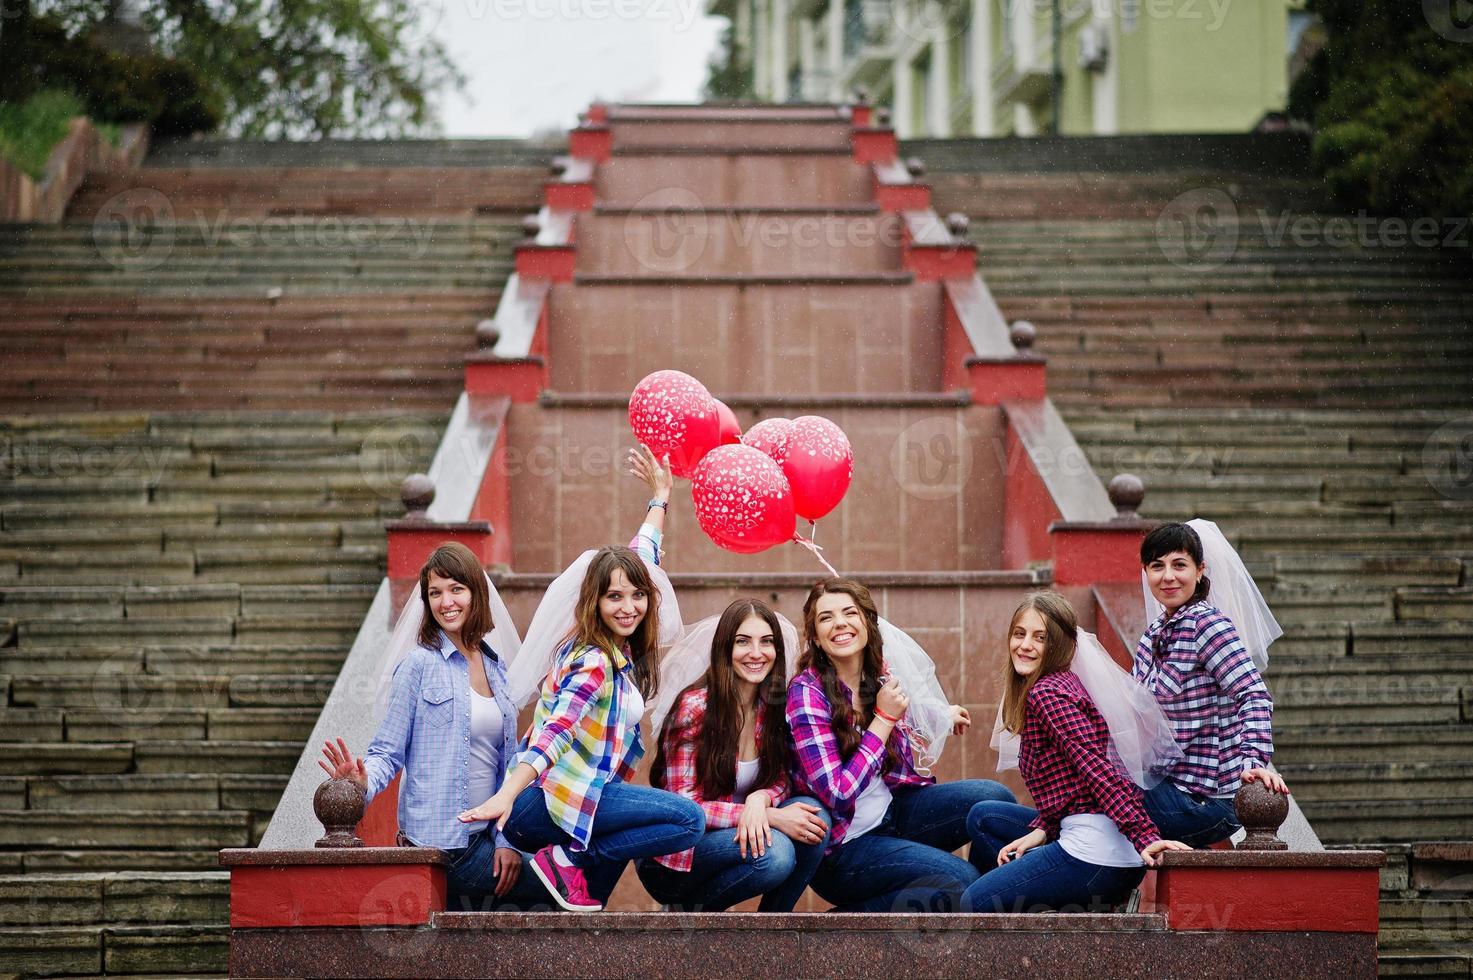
(1096, 839)
(870, 808)
(485, 752)
(746, 777)
(633, 711)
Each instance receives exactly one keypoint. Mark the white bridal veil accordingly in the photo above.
(503, 638)
(1140, 735)
(552, 625)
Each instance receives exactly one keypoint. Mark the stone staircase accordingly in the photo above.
(177, 592)
(1292, 393)
(219, 400)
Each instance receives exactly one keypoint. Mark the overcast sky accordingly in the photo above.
(535, 64)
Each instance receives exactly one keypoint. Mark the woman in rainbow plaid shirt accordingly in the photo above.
(568, 801)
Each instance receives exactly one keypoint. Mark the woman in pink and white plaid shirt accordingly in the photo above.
(1089, 840)
(725, 746)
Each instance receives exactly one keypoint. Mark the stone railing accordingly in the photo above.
(83, 151)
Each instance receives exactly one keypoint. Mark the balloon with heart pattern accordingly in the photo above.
(819, 465)
(673, 414)
(770, 436)
(742, 500)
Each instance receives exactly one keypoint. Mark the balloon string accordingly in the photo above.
(817, 553)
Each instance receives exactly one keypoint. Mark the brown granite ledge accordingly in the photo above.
(859, 399)
(255, 857)
(983, 578)
(732, 151)
(449, 527)
(827, 210)
(801, 281)
(1273, 859)
(799, 921)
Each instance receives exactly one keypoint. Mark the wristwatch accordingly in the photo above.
(657, 502)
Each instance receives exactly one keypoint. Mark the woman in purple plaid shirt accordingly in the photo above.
(892, 829)
(1088, 842)
(1196, 664)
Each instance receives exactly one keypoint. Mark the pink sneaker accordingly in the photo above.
(566, 885)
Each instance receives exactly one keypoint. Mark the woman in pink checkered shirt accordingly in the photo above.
(1090, 839)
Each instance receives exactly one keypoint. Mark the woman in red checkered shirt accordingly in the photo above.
(1090, 838)
(725, 746)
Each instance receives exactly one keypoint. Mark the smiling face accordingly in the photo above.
(753, 650)
(839, 627)
(622, 607)
(1028, 642)
(450, 602)
(1173, 578)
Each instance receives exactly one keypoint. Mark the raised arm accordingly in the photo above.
(661, 481)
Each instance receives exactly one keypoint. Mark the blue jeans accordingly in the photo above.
(1197, 821)
(720, 877)
(905, 864)
(471, 881)
(1049, 877)
(630, 822)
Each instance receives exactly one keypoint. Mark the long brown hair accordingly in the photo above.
(454, 560)
(848, 724)
(718, 738)
(589, 628)
(1060, 626)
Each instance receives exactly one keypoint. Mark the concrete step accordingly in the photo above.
(734, 336)
(733, 242)
(1346, 820)
(114, 898)
(266, 758)
(1372, 743)
(124, 828)
(686, 181)
(1430, 782)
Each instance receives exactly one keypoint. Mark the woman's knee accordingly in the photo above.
(987, 817)
(777, 863)
(992, 791)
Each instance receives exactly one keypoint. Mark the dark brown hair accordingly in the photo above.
(1061, 626)
(848, 724)
(717, 740)
(455, 561)
(1169, 539)
(589, 627)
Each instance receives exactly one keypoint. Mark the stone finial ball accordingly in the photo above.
(558, 167)
(339, 805)
(488, 334)
(1126, 492)
(418, 492)
(531, 226)
(1262, 812)
(1023, 334)
(882, 116)
(861, 95)
(915, 166)
(958, 224)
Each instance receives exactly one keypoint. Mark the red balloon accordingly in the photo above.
(674, 415)
(770, 436)
(819, 465)
(731, 429)
(742, 499)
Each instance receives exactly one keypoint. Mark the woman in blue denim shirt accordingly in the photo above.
(450, 727)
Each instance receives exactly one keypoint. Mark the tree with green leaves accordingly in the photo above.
(1391, 98)
(272, 69)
